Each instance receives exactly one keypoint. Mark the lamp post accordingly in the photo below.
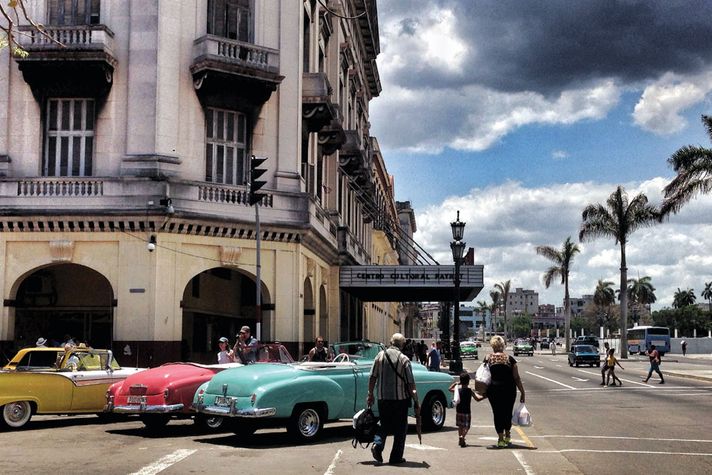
(458, 248)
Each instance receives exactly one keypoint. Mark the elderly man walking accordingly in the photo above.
(393, 375)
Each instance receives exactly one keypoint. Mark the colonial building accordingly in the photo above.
(125, 165)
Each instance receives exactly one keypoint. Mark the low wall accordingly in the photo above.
(694, 345)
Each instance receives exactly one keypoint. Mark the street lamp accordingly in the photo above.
(458, 250)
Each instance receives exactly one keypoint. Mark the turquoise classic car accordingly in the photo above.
(304, 396)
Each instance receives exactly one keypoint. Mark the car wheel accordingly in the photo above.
(306, 423)
(16, 414)
(570, 363)
(210, 423)
(433, 412)
(577, 364)
(154, 421)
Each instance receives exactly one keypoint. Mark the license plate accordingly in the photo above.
(222, 401)
(137, 399)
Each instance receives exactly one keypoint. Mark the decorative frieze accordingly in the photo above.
(230, 255)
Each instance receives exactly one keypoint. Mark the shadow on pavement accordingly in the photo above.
(64, 421)
(406, 464)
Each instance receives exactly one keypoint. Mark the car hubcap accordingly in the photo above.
(438, 413)
(16, 412)
(214, 422)
(309, 423)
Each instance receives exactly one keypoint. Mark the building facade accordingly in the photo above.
(125, 168)
(522, 302)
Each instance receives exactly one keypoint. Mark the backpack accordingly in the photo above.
(365, 426)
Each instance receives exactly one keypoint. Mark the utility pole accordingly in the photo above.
(255, 200)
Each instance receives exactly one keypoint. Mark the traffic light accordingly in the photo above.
(255, 184)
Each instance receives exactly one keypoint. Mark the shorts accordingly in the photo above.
(463, 420)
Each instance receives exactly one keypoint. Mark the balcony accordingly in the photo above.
(354, 157)
(317, 109)
(234, 73)
(68, 60)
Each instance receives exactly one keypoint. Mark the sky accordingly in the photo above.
(521, 113)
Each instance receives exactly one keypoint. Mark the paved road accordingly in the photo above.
(579, 427)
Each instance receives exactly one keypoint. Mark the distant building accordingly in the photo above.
(471, 318)
(547, 316)
(522, 302)
(578, 304)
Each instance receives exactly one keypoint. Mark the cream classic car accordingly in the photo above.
(55, 381)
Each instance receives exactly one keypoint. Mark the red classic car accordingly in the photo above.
(158, 394)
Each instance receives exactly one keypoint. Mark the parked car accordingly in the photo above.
(586, 340)
(584, 354)
(55, 381)
(304, 396)
(523, 347)
(166, 392)
(468, 349)
(544, 344)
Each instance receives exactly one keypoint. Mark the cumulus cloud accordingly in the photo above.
(661, 103)
(505, 223)
(477, 70)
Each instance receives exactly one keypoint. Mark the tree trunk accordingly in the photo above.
(567, 313)
(624, 304)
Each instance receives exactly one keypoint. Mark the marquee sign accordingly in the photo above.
(411, 283)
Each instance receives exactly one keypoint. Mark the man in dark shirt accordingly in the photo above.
(246, 346)
(319, 353)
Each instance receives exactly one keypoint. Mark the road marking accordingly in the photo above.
(538, 367)
(642, 452)
(424, 447)
(332, 466)
(655, 439)
(165, 462)
(524, 437)
(527, 469)
(551, 380)
(579, 379)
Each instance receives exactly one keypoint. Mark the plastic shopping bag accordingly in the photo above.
(521, 416)
(483, 378)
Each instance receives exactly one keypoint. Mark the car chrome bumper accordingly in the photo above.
(232, 411)
(147, 409)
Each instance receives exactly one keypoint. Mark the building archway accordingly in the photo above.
(309, 316)
(63, 300)
(323, 314)
(216, 303)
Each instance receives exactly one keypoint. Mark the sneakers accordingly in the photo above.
(501, 444)
(462, 442)
(377, 453)
(602, 384)
(645, 380)
(507, 441)
(661, 382)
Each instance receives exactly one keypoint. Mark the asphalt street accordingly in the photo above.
(578, 427)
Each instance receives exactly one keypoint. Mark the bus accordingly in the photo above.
(640, 339)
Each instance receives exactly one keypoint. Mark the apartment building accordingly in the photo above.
(125, 163)
(522, 302)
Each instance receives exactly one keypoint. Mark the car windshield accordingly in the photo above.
(584, 349)
(359, 349)
(273, 353)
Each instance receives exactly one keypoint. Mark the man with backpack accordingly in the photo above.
(393, 374)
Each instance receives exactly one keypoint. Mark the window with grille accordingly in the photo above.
(230, 19)
(225, 147)
(69, 137)
(73, 12)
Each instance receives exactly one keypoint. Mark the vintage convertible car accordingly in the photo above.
(468, 349)
(167, 391)
(55, 381)
(304, 396)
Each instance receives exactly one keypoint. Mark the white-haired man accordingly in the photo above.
(392, 373)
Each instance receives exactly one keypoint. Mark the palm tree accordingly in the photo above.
(503, 289)
(707, 294)
(693, 165)
(496, 299)
(641, 292)
(683, 298)
(562, 259)
(618, 220)
(603, 297)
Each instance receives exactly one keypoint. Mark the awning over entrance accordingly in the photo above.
(410, 283)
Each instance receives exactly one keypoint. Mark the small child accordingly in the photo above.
(461, 399)
(611, 362)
